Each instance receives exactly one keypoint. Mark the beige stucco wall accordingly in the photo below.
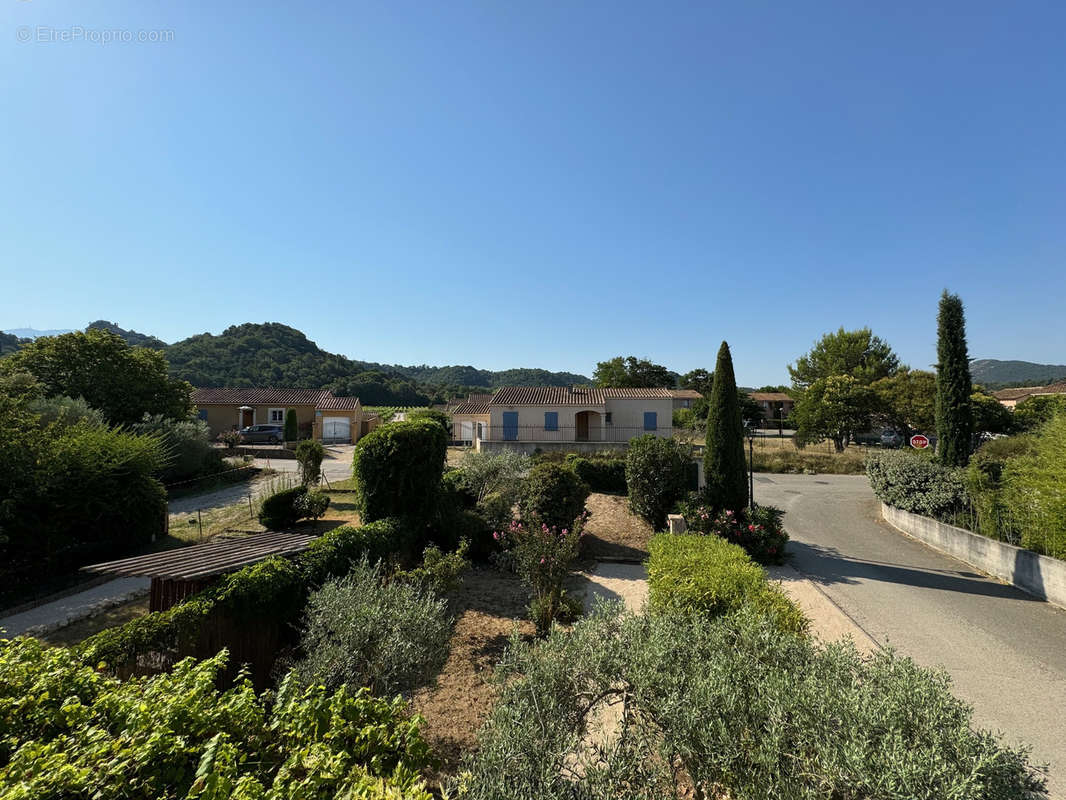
(627, 420)
(474, 419)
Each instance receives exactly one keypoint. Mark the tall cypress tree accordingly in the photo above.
(723, 459)
(954, 415)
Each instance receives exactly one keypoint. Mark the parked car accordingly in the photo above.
(891, 438)
(258, 434)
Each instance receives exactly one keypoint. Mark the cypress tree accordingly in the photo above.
(723, 459)
(954, 415)
(291, 427)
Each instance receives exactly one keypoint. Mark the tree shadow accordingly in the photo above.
(827, 566)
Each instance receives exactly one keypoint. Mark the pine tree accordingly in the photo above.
(723, 460)
(954, 414)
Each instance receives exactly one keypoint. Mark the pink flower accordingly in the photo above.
(565, 531)
(751, 527)
(542, 561)
(496, 535)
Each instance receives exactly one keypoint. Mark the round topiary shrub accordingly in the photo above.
(282, 509)
(554, 495)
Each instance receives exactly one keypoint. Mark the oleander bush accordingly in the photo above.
(693, 572)
(365, 630)
(70, 731)
(759, 531)
(553, 495)
(657, 476)
(601, 474)
(916, 483)
(728, 706)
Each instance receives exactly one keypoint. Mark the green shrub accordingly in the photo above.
(282, 509)
(1034, 491)
(66, 412)
(431, 415)
(657, 476)
(398, 469)
(292, 426)
(362, 630)
(73, 732)
(601, 474)
(1036, 410)
(482, 474)
(553, 495)
(728, 707)
(712, 576)
(913, 482)
(758, 531)
(309, 455)
(186, 447)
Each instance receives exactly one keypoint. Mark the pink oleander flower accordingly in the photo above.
(751, 527)
(496, 535)
(542, 561)
(565, 531)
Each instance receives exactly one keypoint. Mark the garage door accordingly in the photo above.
(466, 431)
(336, 429)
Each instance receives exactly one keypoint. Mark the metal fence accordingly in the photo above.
(562, 433)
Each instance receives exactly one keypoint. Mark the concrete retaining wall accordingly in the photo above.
(1038, 575)
(485, 446)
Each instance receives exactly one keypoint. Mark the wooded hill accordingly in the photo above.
(994, 374)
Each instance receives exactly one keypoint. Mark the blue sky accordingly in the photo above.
(539, 184)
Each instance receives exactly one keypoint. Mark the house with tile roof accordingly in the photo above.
(775, 406)
(319, 413)
(571, 417)
(1011, 397)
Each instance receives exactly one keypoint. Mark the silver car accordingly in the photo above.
(260, 434)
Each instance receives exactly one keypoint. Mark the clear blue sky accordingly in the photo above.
(539, 184)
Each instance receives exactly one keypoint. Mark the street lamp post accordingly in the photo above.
(751, 465)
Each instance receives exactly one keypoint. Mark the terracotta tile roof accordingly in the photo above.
(1014, 394)
(479, 397)
(773, 397)
(684, 394)
(571, 395)
(1028, 391)
(548, 396)
(639, 394)
(319, 398)
(468, 407)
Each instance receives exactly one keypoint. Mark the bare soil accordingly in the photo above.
(487, 607)
(613, 532)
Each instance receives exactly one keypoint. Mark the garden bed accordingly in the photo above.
(612, 532)
(487, 608)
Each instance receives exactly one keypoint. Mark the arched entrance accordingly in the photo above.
(588, 426)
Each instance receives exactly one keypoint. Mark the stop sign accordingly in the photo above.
(919, 441)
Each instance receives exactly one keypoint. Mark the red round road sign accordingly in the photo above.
(919, 441)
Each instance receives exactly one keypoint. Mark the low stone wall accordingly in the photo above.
(258, 452)
(529, 448)
(1041, 576)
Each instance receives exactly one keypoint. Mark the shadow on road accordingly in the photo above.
(827, 565)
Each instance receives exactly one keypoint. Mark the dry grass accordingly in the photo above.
(771, 454)
(612, 531)
(488, 607)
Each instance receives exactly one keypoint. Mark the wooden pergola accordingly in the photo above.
(179, 573)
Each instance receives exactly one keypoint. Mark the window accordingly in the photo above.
(277, 415)
(651, 420)
(202, 414)
(686, 404)
(607, 417)
(551, 420)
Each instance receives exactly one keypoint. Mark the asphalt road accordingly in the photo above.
(1005, 651)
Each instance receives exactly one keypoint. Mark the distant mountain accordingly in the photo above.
(132, 338)
(994, 374)
(488, 379)
(33, 333)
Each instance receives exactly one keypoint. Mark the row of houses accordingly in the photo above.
(1011, 397)
(534, 415)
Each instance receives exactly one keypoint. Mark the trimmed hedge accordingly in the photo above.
(916, 483)
(601, 474)
(553, 495)
(398, 468)
(712, 576)
(274, 589)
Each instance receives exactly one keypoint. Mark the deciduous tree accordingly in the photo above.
(632, 373)
(859, 354)
(833, 408)
(907, 400)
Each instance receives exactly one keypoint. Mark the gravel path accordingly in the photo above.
(611, 581)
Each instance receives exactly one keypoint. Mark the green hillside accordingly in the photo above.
(993, 374)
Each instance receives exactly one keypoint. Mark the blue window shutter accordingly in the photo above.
(651, 420)
(551, 420)
(203, 414)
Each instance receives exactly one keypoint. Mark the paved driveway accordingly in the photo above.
(1005, 651)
